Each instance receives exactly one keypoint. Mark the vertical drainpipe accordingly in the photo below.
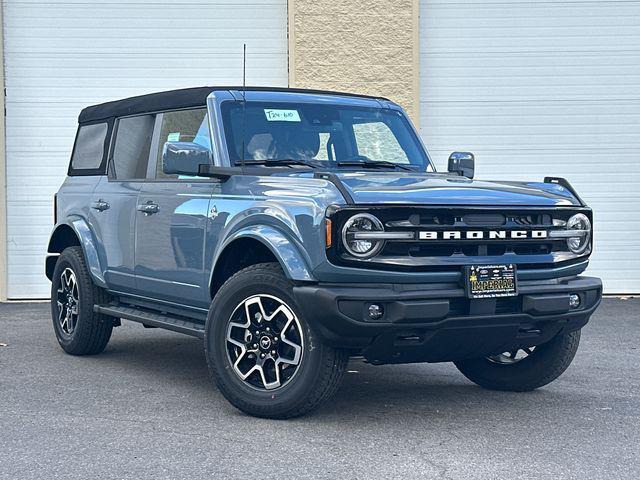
(3, 174)
(415, 8)
(291, 42)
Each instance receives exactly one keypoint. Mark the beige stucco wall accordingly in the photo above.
(363, 46)
(3, 178)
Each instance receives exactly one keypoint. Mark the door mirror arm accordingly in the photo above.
(221, 173)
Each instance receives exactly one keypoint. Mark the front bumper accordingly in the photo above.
(437, 323)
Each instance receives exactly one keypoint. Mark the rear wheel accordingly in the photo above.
(79, 330)
(261, 352)
(523, 369)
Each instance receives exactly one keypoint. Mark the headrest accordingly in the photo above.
(303, 144)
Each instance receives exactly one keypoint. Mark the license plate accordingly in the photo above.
(491, 281)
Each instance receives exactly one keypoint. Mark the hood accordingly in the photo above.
(440, 189)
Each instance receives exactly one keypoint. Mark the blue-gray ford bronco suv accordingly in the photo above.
(291, 229)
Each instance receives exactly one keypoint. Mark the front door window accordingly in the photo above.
(189, 126)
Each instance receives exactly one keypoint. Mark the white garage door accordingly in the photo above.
(64, 55)
(538, 88)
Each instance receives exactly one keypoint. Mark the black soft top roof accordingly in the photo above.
(175, 99)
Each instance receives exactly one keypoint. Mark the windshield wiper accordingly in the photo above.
(278, 163)
(373, 164)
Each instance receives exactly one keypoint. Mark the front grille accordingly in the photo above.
(429, 253)
(463, 221)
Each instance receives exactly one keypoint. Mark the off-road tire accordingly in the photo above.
(321, 367)
(92, 330)
(546, 363)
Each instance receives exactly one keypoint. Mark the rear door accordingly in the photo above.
(113, 205)
(171, 221)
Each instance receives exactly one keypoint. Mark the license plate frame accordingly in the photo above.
(491, 281)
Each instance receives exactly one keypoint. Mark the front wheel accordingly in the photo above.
(523, 369)
(262, 353)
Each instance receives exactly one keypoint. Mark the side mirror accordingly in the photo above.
(184, 158)
(462, 163)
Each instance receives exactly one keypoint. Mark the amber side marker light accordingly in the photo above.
(327, 230)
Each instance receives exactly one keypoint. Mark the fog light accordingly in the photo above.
(574, 300)
(375, 311)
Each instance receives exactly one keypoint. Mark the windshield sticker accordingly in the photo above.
(173, 137)
(274, 115)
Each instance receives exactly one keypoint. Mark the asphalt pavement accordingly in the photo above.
(145, 408)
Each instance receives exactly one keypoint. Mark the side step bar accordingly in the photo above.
(153, 319)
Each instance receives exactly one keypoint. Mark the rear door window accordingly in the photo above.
(89, 148)
(132, 147)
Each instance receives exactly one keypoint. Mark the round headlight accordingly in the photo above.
(356, 238)
(580, 242)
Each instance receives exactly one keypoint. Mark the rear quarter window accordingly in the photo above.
(89, 149)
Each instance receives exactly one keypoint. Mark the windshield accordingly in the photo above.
(326, 135)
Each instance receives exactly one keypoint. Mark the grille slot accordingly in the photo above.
(443, 250)
(461, 306)
(483, 219)
(423, 220)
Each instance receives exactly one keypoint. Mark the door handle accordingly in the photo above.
(100, 205)
(149, 208)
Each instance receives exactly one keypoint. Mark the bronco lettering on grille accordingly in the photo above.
(483, 235)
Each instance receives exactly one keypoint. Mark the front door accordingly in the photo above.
(172, 212)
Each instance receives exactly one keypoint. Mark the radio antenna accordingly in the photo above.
(244, 98)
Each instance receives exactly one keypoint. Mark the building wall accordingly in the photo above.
(539, 89)
(62, 56)
(363, 46)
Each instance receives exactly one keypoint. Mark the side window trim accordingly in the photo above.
(216, 128)
(111, 174)
(211, 108)
(155, 143)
